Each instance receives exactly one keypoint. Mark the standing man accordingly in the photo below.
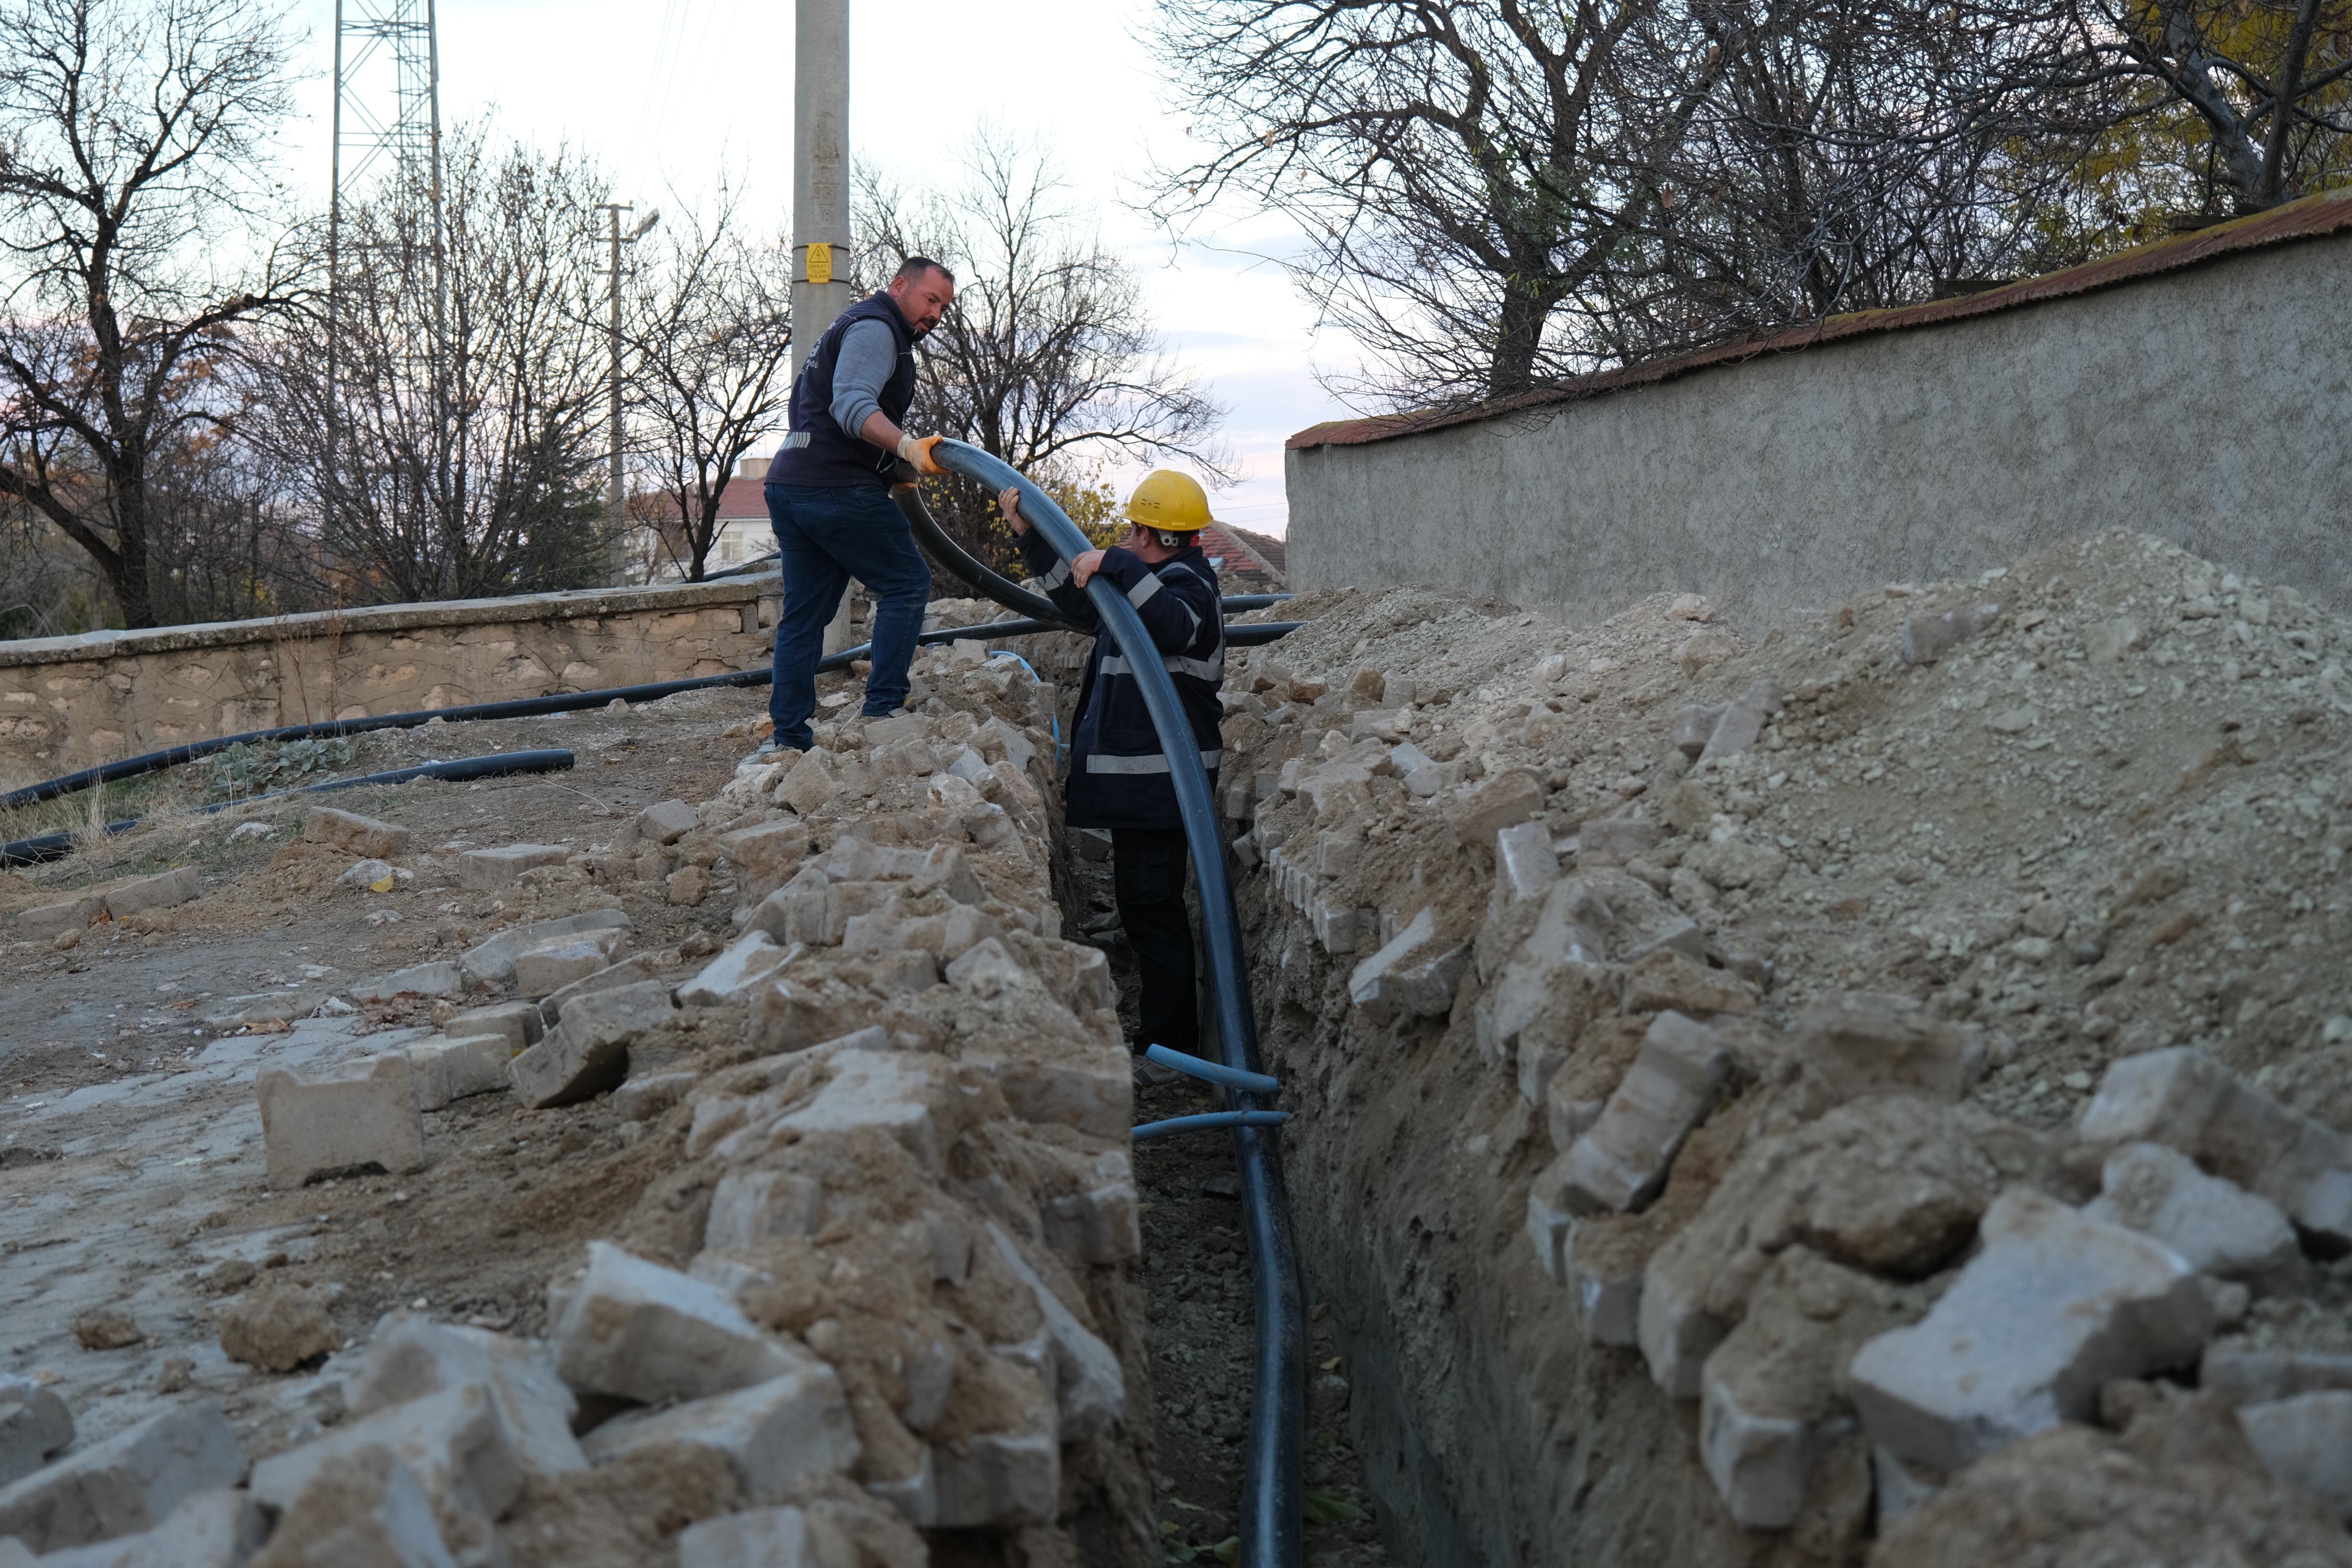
(829, 496)
(1118, 774)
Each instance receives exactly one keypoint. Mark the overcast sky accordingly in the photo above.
(663, 92)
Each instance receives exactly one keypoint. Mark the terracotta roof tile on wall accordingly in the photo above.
(2309, 218)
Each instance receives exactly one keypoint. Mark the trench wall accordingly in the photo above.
(71, 703)
(2211, 407)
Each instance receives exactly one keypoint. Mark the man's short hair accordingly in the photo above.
(914, 266)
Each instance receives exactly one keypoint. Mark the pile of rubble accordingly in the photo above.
(1911, 1044)
(860, 1275)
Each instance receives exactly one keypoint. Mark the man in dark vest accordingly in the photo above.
(829, 496)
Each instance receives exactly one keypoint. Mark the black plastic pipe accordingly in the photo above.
(1271, 1487)
(496, 764)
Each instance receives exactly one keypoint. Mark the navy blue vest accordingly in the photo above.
(818, 452)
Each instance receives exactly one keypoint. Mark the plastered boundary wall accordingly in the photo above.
(73, 702)
(2211, 407)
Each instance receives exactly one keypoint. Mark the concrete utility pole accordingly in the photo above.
(615, 497)
(820, 193)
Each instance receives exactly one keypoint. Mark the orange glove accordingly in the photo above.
(916, 451)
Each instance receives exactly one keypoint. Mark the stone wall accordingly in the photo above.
(73, 702)
(1782, 479)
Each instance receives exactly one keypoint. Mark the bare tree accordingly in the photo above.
(710, 334)
(1047, 359)
(130, 132)
(464, 459)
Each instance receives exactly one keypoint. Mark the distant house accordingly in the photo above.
(1247, 563)
(744, 533)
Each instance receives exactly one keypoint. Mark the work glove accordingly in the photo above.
(915, 450)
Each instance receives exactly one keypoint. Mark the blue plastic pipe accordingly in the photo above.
(1214, 1072)
(1207, 1120)
(1272, 1485)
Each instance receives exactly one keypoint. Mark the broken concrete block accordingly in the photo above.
(1501, 802)
(2217, 1226)
(1093, 1092)
(341, 1117)
(457, 1069)
(643, 1099)
(1868, 1044)
(2306, 1442)
(649, 1333)
(517, 1023)
(2055, 1305)
(774, 1434)
(132, 1481)
(362, 836)
(807, 784)
(502, 866)
(909, 1095)
(491, 961)
(631, 971)
(440, 978)
(549, 966)
(667, 821)
(164, 890)
(1368, 982)
(1526, 866)
(588, 1052)
(453, 1441)
(750, 1206)
(2257, 1377)
(1607, 1287)
(1694, 725)
(1743, 723)
(1613, 840)
(1926, 638)
(1101, 1224)
(1089, 1390)
(34, 1424)
(2182, 1098)
(1771, 1400)
(1668, 979)
(1619, 1163)
(996, 1479)
(45, 922)
(220, 1528)
(769, 1538)
(412, 1356)
(369, 1511)
(765, 858)
(987, 970)
(730, 977)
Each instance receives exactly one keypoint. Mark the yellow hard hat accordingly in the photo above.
(1170, 501)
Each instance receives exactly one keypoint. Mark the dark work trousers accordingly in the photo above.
(825, 537)
(1149, 866)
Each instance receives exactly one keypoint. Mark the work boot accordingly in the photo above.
(1150, 1074)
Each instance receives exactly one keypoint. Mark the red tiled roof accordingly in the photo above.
(1246, 555)
(2310, 218)
(741, 499)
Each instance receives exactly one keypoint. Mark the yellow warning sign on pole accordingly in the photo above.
(819, 262)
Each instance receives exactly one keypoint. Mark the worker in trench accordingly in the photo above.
(1118, 774)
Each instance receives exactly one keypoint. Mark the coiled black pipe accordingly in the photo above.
(497, 765)
(1271, 1490)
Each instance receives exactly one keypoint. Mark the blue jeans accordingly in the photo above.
(825, 537)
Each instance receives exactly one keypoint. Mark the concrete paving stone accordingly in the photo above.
(2184, 1098)
(795, 911)
(362, 836)
(649, 1333)
(1770, 1401)
(1091, 1090)
(1367, 982)
(987, 970)
(2254, 1376)
(1694, 724)
(502, 865)
(454, 1441)
(1101, 1224)
(667, 821)
(996, 737)
(266, 1008)
(2217, 1226)
(341, 1118)
(440, 978)
(34, 1425)
(132, 1481)
(910, 1095)
(518, 1024)
(216, 1528)
(1667, 979)
(2306, 1442)
(774, 1435)
(1499, 803)
(729, 977)
(748, 1207)
(1868, 1044)
(547, 967)
(765, 858)
(808, 784)
(766, 1538)
(45, 922)
(687, 887)
(1743, 723)
(1613, 840)
(491, 961)
(890, 731)
(1525, 865)
(1089, 1390)
(411, 1356)
(588, 1052)
(1622, 1160)
(368, 1510)
(2055, 1305)
(643, 1099)
(630, 971)
(450, 1069)
(164, 890)
(1925, 638)
(996, 1479)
